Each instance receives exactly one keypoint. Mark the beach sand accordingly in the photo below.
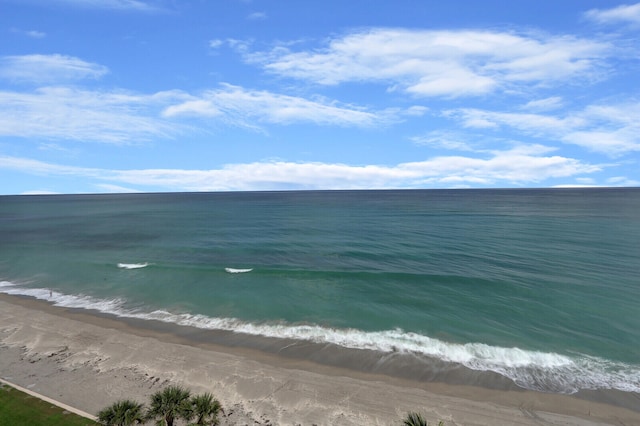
(88, 361)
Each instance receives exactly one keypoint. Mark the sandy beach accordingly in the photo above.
(88, 361)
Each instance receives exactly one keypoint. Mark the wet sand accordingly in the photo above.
(89, 360)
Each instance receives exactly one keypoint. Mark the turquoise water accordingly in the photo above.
(541, 286)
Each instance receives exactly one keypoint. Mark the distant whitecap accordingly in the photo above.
(132, 265)
(238, 271)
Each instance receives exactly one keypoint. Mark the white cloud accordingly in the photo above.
(239, 45)
(35, 34)
(239, 106)
(117, 189)
(195, 107)
(575, 185)
(30, 33)
(626, 13)
(37, 167)
(523, 165)
(215, 43)
(71, 113)
(439, 63)
(537, 124)
(416, 111)
(546, 104)
(510, 167)
(257, 16)
(586, 181)
(54, 147)
(610, 129)
(443, 140)
(452, 81)
(48, 69)
(622, 181)
(612, 142)
(39, 192)
(131, 5)
(74, 114)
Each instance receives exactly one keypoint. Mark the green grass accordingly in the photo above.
(18, 408)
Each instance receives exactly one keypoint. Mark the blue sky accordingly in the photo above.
(220, 95)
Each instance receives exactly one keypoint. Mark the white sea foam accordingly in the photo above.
(132, 265)
(238, 271)
(529, 369)
(113, 306)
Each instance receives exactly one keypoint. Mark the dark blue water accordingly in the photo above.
(542, 286)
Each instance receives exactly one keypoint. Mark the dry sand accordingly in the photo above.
(88, 361)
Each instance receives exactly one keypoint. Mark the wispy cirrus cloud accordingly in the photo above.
(610, 129)
(37, 167)
(530, 123)
(30, 33)
(545, 104)
(115, 189)
(444, 139)
(444, 63)
(257, 16)
(44, 69)
(65, 113)
(120, 117)
(521, 165)
(622, 181)
(241, 46)
(626, 13)
(242, 107)
(124, 5)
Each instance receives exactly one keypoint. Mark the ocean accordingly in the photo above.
(538, 286)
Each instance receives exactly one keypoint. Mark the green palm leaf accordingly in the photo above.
(170, 404)
(122, 413)
(205, 409)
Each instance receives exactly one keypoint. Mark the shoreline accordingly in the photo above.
(88, 360)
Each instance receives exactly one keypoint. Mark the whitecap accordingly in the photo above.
(132, 265)
(238, 271)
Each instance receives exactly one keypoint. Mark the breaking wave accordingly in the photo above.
(549, 372)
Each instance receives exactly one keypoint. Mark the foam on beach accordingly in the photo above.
(550, 372)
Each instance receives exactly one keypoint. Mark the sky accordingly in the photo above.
(101, 96)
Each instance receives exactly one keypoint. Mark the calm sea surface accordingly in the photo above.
(541, 286)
